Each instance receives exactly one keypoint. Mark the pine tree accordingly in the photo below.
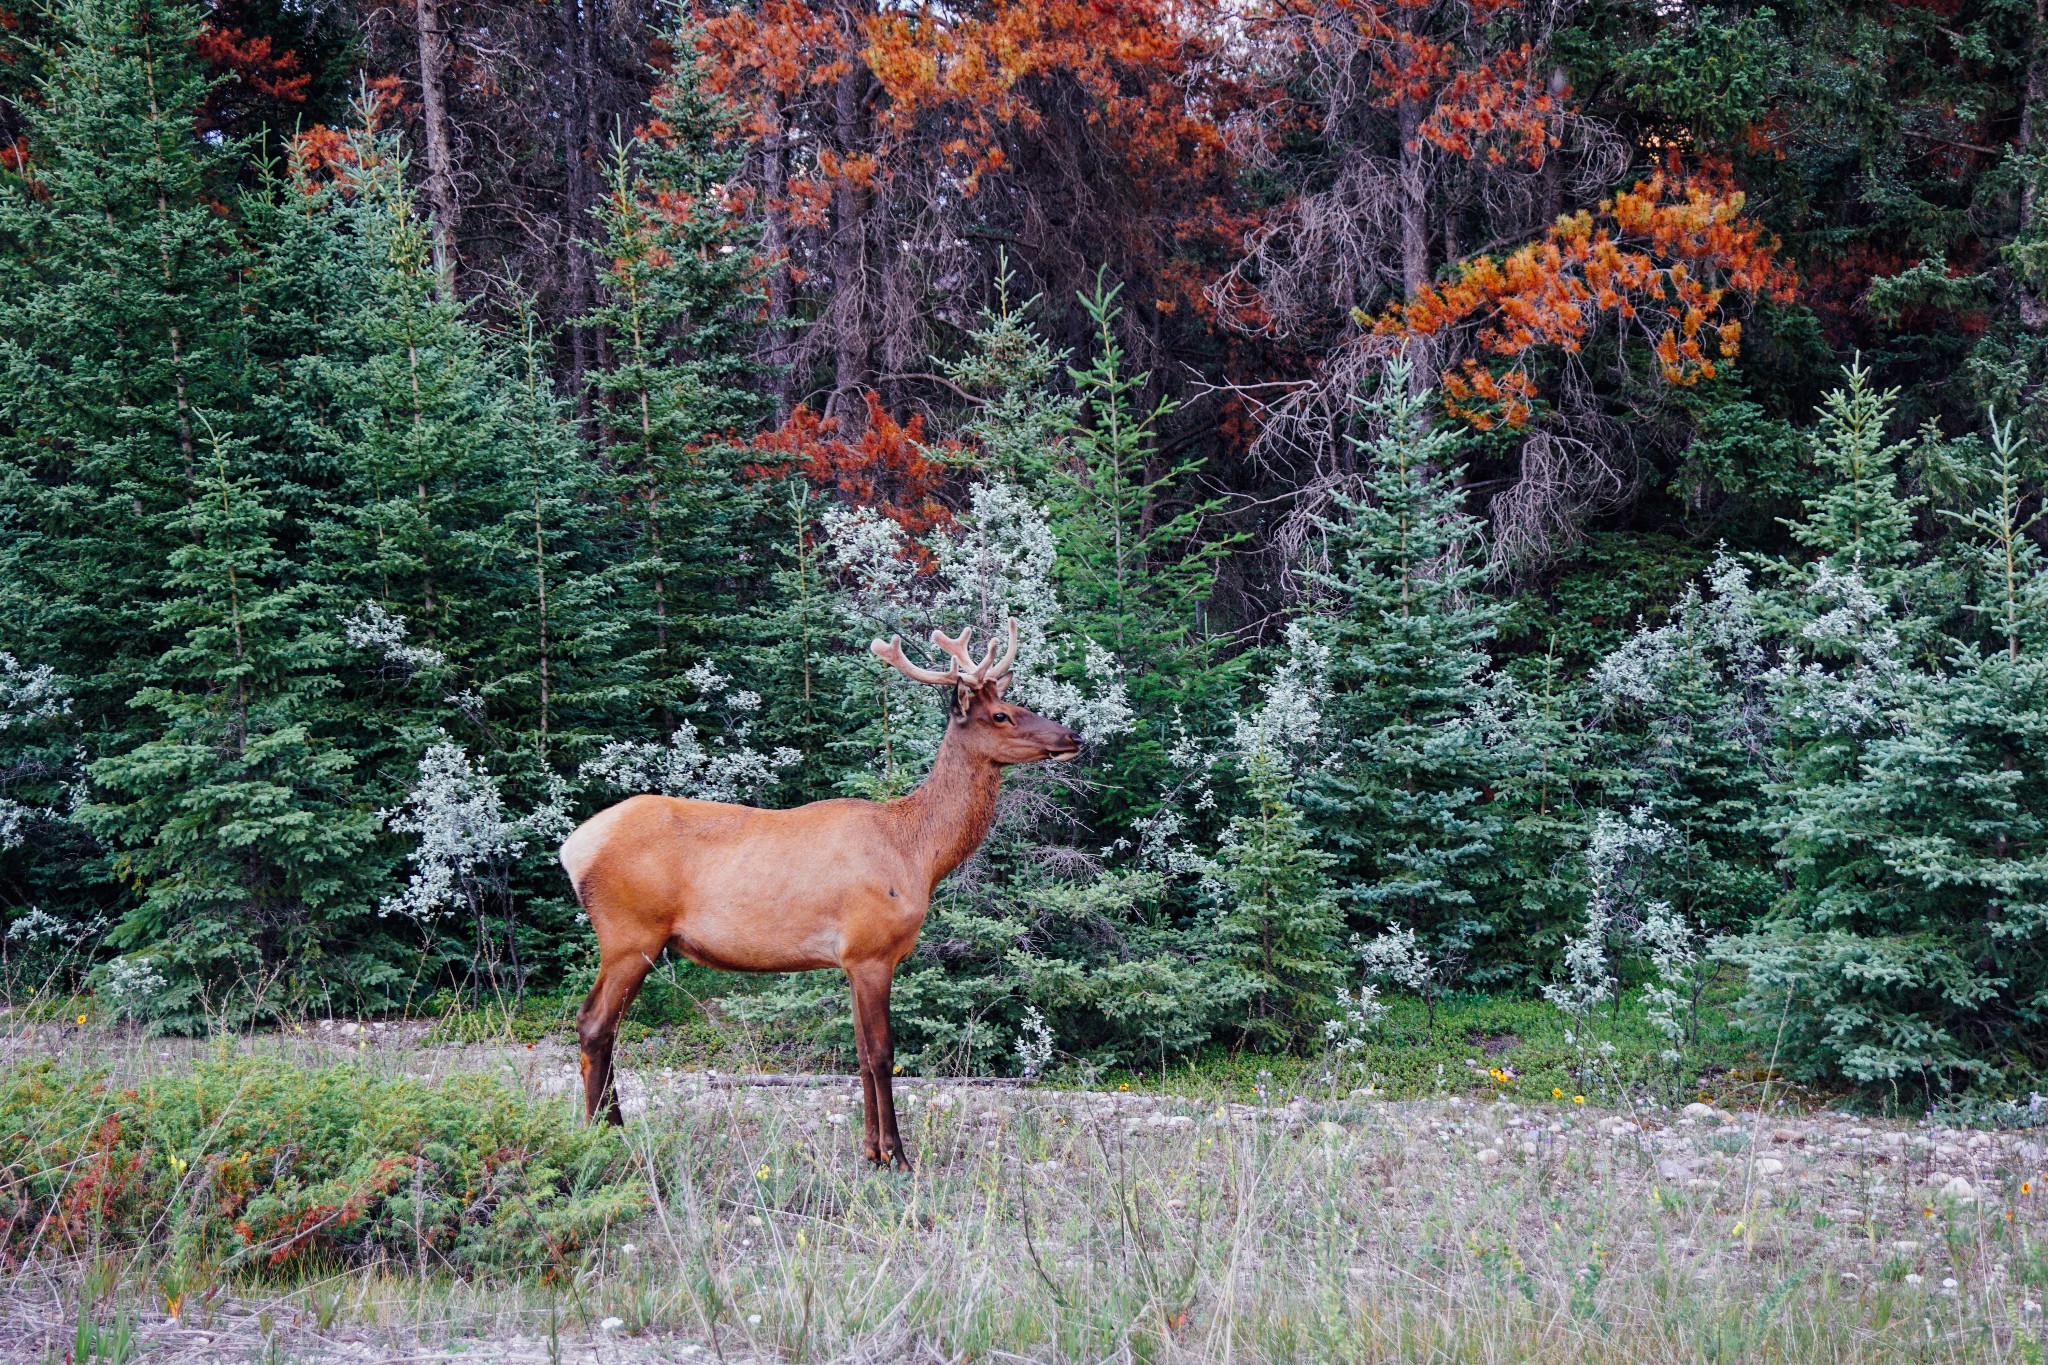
(1407, 803)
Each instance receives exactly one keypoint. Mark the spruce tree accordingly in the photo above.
(118, 321)
(1859, 517)
(1407, 802)
(680, 293)
(235, 821)
(1912, 820)
(1135, 577)
(1280, 922)
(1021, 425)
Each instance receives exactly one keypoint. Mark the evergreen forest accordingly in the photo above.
(1540, 499)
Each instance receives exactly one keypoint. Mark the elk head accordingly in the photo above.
(985, 724)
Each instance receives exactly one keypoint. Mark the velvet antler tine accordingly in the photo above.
(892, 654)
(963, 658)
(1003, 665)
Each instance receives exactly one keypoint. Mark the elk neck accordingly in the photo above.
(945, 819)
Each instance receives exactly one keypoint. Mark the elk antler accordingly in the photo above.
(892, 653)
(967, 671)
(985, 670)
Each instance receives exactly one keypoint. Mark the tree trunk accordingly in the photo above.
(441, 199)
(1553, 157)
(849, 282)
(1414, 191)
(775, 244)
(579, 194)
(2032, 308)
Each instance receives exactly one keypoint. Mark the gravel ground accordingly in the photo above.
(1416, 1192)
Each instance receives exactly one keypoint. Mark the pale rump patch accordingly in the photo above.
(583, 844)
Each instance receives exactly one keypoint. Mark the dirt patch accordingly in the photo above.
(1493, 1044)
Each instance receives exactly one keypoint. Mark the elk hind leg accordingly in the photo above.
(597, 1028)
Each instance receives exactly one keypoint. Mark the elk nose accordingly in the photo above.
(1069, 744)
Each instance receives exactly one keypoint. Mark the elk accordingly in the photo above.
(841, 883)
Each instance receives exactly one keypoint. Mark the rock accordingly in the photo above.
(1487, 1156)
(1948, 1151)
(1528, 1149)
(1769, 1165)
(1674, 1169)
(1905, 1247)
(1329, 1129)
(1697, 1110)
(1960, 1190)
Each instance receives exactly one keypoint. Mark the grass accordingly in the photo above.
(1491, 1045)
(1482, 1046)
(1165, 1223)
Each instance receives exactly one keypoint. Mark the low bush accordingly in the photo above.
(254, 1163)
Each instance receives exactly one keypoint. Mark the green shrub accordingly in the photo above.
(260, 1163)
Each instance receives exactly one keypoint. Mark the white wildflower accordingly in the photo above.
(1358, 1013)
(1851, 674)
(1287, 727)
(1034, 1043)
(1001, 566)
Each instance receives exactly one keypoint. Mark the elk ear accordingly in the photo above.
(1002, 684)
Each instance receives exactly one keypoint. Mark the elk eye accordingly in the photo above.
(1001, 717)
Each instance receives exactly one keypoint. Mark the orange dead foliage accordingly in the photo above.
(1471, 102)
(1660, 259)
(890, 468)
(233, 54)
(962, 85)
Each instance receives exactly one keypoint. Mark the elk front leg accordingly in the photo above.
(884, 1143)
(870, 1122)
(597, 1028)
